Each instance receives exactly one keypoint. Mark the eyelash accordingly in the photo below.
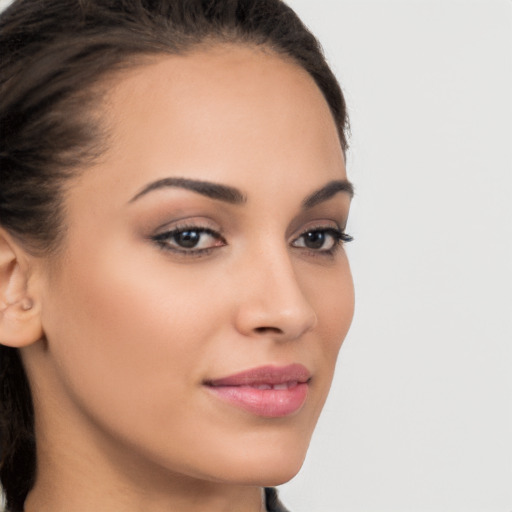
(339, 237)
(164, 239)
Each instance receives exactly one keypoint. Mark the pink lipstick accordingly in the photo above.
(268, 391)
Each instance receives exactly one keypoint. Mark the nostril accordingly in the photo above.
(265, 330)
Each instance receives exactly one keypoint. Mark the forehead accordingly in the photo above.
(229, 114)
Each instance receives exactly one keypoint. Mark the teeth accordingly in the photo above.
(279, 387)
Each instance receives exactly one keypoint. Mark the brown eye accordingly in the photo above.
(314, 239)
(324, 240)
(189, 240)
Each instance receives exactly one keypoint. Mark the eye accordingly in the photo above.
(189, 240)
(323, 240)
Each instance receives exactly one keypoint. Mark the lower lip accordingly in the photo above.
(269, 403)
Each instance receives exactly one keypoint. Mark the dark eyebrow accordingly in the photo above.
(205, 188)
(328, 191)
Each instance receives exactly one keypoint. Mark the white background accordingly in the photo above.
(420, 415)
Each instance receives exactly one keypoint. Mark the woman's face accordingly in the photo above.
(198, 306)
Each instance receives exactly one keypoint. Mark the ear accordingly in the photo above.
(20, 320)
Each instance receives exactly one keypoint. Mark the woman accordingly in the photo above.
(174, 289)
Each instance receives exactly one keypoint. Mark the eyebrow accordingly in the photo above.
(327, 192)
(234, 196)
(205, 188)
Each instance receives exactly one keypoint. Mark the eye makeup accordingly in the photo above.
(196, 240)
(322, 240)
(190, 240)
(188, 226)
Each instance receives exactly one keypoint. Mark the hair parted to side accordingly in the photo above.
(54, 53)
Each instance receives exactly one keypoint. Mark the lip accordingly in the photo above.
(267, 391)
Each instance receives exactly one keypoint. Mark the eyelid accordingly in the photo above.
(317, 225)
(332, 229)
(188, 222)
(165, 234)
(184, 229)
(168, 239)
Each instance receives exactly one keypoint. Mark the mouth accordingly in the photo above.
(267, 391)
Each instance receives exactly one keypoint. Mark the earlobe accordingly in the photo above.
(20, 322)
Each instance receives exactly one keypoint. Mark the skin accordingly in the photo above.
(132, 329)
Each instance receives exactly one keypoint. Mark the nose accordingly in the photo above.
(272, 302)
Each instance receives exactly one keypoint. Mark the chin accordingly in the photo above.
(279, 476)
(265, 476)
(265, 466)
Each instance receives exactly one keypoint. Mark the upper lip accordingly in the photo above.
(269, 374)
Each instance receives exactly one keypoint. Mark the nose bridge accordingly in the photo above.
(274, 302)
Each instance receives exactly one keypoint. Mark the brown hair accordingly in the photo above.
(53, 53)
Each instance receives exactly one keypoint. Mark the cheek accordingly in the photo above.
(331, 293)
(332, 297)
(125, 335)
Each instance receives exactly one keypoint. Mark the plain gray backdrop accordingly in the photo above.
(420, 414)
